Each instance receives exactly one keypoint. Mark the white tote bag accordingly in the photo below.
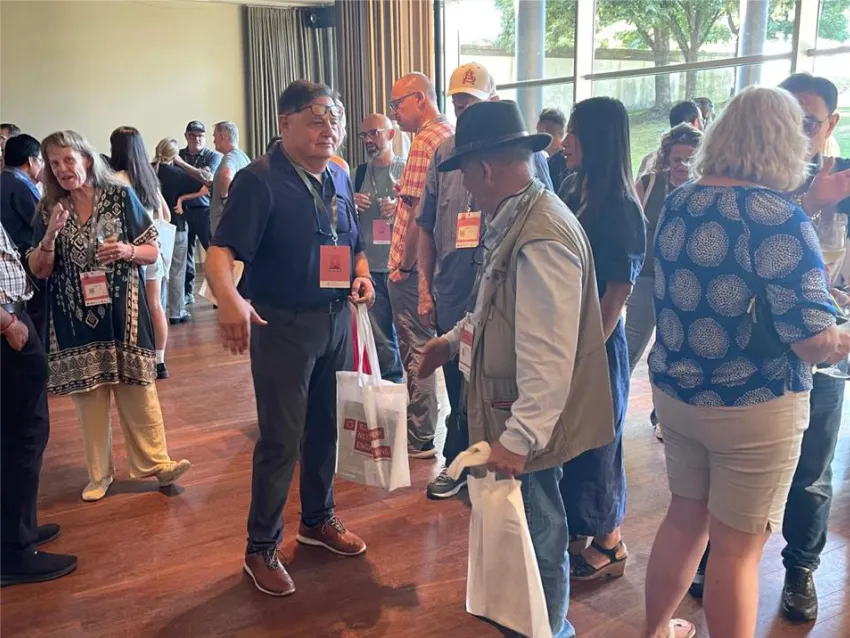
(371, 420)
(206, 291)
(503, 581)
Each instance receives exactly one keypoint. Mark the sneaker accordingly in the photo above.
(96, 490)
(161, 371)
(427, 451)
(46, 533)
(444, 486)
(799, 597)
(181, 319)
(36, 567)
(190, 298)
(333, 536)
(268, 573)
(169, 476)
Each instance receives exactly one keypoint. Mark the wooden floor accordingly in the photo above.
(169, 566)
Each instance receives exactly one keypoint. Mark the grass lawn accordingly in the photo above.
(646, 134)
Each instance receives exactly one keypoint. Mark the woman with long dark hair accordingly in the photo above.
(601, 193)
(131, 162)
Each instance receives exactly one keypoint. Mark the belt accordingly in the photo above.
(15, 308)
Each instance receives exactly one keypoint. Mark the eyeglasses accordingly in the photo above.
(811, 125)
(394, 104)
(320, 110)
(371, 134)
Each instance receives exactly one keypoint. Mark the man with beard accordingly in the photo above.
(374, 186)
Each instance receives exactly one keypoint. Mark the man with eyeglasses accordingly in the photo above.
(450, 227)
(290, 216)
(374, 196)
(414, 107)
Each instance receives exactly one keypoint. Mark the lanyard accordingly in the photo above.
(319, 203)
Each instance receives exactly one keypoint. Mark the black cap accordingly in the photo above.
(488, 125)
(196, 126)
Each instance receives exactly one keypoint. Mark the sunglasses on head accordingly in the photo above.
(320, 110)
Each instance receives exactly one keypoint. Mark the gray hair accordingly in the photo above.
(757, 138)
(229, 129)
(100, 175)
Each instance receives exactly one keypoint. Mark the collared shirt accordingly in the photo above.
(19, 198)
(14, 285)
(208, 159)
(443, 198)
(548, 286)
(271, 221)
(412, 184)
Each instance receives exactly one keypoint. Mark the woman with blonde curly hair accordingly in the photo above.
(93, 237)
(743, 312)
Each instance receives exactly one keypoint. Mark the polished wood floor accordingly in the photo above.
(156, 565)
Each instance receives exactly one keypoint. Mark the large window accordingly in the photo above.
(552, 52)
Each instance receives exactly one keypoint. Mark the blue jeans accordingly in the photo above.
(547, 523)
(386, 340)
(807, 508)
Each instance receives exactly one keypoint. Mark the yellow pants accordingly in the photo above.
(141, 422)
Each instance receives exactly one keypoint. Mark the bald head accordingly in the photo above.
(413, 101)
(377, 133)
(376, 121)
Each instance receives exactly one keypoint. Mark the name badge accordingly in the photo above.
(334, 267)
(468, 229)
(464, 353)
(381, 235)
(95, 288)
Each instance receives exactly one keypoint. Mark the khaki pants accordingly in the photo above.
(141, 422)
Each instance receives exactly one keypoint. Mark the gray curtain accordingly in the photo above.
(280, 49)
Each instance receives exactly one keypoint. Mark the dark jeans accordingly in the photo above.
(457, 433)
(25, 427)
(386, 339)
(807, 509)
(294, 361)
(198, 225)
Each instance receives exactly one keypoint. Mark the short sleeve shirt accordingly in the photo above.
(208, 159)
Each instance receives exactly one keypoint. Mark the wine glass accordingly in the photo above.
(833, 240)
(107, 230)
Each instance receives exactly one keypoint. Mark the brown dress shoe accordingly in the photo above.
(331, 535)
(268, 573)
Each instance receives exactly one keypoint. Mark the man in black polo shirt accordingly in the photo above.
(201, 163)
(291, 216)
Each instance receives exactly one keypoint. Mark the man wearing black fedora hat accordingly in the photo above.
(532, 350)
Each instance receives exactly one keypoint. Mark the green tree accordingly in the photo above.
(832, 25)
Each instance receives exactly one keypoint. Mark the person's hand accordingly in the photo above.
(435, 354)
(397, 276)
(17, 335)
(362, 201)
(503, 461)
(827, 188)
(362, 291)
(388, 208)
(840, 297)
(207, 175)
(112, 251)
(426, 309)
(234, 323)
(842, 349)
(58, 218)
(178, 208)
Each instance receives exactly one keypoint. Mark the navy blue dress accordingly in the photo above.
(594, 483)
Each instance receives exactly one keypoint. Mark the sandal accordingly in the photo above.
(681, 629)
(580, 569)
(577, 545)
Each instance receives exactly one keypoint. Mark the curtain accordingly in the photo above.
(379, 41)
(281, 49)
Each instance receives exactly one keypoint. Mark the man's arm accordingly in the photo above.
(203, 176)
(223, 179)
(411, 239)
(426, 253)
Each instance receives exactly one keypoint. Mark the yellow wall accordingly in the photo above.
(94, 66)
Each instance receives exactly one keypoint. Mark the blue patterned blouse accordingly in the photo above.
(715, 249)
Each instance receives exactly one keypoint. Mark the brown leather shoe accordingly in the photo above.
(331, 535)
(268, 573)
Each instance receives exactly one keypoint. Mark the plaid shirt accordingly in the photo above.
(14, 285)
(425, 144)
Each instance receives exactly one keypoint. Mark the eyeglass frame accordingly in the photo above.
(372, 133)
(396, 103)
(811, 124)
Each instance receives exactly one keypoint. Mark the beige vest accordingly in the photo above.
(587, 421)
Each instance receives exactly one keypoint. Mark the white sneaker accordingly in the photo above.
(170, 476)
(96, 490)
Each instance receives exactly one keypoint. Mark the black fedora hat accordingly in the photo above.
(488, 125)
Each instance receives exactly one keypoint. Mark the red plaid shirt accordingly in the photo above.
(425, 143)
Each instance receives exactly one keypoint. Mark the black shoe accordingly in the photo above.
(36, 567)
(161, 371)
(799, 598)
(46, 533)
(182, 319)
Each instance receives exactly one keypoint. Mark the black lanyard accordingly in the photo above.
(319, 203)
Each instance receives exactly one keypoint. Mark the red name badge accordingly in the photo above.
(468, 229)
(381, 235)
(95, 288)
(334, 267)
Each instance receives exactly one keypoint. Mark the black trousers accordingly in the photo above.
(294, 361)
(25, 427)
(198, 225)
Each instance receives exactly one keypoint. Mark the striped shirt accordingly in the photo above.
(425, 144)
(14, 285)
